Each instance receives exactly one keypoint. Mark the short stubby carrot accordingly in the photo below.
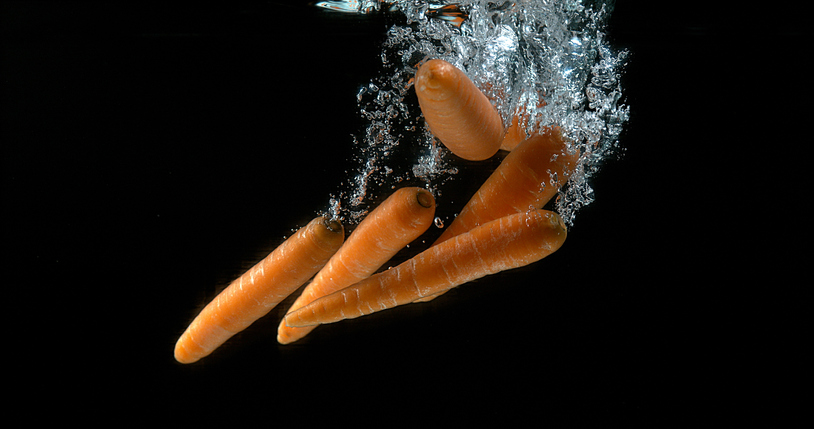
(260, 289)
(509, 242)
(529, 176)
(457, 112)
(395, 223)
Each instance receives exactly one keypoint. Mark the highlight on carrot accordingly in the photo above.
(395, 223)
(529, 176)
(509, 242)
(457, 112)
(260, 289)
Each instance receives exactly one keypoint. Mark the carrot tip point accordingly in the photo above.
(182, 357)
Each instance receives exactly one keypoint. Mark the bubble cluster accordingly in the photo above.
(545, 61)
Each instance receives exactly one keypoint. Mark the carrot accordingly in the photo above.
(399, 220)
(457, 112)
(256, 292)
(525, 178)
(509, 242)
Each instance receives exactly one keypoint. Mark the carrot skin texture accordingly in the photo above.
(509, 242)
(260, 289)
(395, 223)
(457, 112)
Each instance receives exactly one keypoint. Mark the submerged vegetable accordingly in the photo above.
(457, 112)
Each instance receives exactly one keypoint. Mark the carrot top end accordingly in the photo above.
(425, 199)
(333, 225)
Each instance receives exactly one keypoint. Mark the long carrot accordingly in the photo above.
(457, 112)
(529, 176)
(400, 219)
(256, 292)
(509, 242)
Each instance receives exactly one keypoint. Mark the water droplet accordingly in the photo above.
(438, 222)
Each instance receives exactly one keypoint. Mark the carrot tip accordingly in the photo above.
(435, 71)
(182, 356)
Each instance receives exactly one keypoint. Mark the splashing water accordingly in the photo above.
(545, 60)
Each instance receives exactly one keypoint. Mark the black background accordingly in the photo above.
(152, 152)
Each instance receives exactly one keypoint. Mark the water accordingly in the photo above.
(545, 60)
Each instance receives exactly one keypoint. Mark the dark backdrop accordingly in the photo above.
(153, 152)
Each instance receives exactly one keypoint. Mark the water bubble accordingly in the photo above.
(438, 222)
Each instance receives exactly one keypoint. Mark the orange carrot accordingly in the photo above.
(529, 176)
(509, 242)
(256, 292)
(525, 178)
(399, 220)
(457, 112)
